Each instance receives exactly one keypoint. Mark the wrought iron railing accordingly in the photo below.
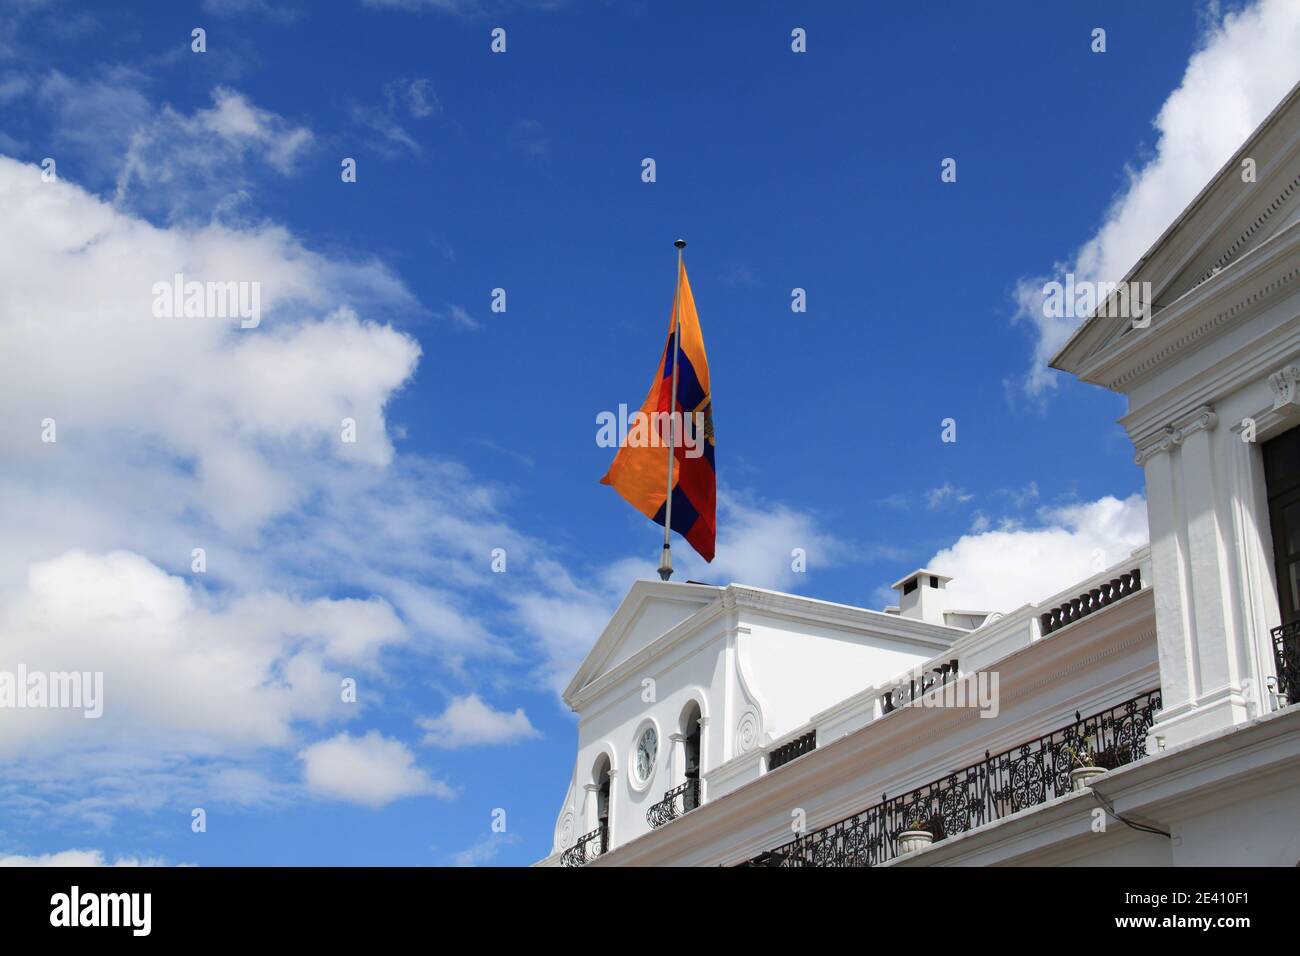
(1286, 655)
(676, 802)
(1116, 589)
(997, 787)
(796, 748)
(587, 848)
(898, 697)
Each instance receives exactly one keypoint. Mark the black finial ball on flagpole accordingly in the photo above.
(680, 243)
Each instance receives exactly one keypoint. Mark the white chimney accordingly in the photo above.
(922, 596)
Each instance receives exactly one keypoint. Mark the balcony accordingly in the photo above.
(900, 697)
(587, 848)
(992, 789)
(1103, 595)
(783, 754)
(1286, 655)
(677, 802)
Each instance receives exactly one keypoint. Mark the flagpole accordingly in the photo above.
(666, 557)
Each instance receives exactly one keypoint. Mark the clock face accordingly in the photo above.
(646, 748)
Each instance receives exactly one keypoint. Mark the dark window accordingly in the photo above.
(910, 586)
(934, 582)
(1282, 476)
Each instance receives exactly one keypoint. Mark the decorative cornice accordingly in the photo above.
(1231, 252)
(790, 607)
(1203, 419)
(1183, 341)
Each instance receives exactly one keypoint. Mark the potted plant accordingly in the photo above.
(1083, 764)
(916, 836)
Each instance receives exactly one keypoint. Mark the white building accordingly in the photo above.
(734, 725)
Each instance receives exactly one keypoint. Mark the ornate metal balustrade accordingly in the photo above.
(676, 802)
(796, 748)
(1286, 655)
(587, 848)
(997, 787)
(1116, 589)
(898, 697)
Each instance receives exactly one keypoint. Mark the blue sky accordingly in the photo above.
(522, 171)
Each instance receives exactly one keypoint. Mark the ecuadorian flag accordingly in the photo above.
(640, 469)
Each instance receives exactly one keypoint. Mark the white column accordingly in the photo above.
(1193, 576)
(704, 755)
(1257, 588)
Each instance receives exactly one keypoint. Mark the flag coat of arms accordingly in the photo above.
(640, 471)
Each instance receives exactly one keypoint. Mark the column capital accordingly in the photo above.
(1174, 433)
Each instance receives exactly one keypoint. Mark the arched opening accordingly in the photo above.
(690, 730)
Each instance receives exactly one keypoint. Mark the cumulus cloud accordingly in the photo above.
(1014, 564)
(468, 722)
(372, 770)
(1243, 67)
(179, 434)
(755, 541)
(180, 673)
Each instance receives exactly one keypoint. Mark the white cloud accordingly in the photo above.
(1245, 64)
(469, 722)
(459, 317)
(416, 96)
(485, 850)
(232, 8)
(755, 541)
(403, 98)
(174, 434)
(372, 770)
(162, 160)
(181, 673)
(77, 858)
(1012, 565)
(14, 86)
(946, 494)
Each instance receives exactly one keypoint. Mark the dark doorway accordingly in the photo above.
(1282, 476)
(692, 732)
(602, 806)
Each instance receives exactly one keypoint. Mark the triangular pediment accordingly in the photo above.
(650, 610)
(1230, 219)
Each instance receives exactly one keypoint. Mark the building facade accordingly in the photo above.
(1143, 716)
